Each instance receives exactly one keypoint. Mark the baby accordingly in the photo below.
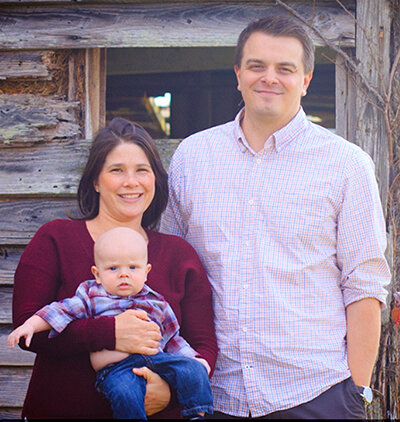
(120, 273)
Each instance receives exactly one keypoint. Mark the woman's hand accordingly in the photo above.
(205, 363)
(136, 333)
(158, 393)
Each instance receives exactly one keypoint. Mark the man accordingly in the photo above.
(287, 220)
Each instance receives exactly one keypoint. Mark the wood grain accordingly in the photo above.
(13, 393)
(16, 356)
(29, 119)
(156, 25)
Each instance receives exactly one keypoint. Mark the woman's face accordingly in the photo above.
(126, 184)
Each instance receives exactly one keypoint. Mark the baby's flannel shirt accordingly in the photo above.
(91, 300)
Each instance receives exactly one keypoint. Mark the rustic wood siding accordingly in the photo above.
(157, 25)
(52, 88)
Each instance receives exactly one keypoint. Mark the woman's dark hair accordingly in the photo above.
(120, 131)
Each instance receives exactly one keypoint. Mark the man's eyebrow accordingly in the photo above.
(249, 61)
(258, 61)
(290, 64)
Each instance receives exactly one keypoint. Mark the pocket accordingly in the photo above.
(354, 403)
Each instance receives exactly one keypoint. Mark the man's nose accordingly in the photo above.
(269, 76)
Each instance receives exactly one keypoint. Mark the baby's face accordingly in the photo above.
(121, 271)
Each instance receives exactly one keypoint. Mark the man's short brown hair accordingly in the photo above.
(279, 26)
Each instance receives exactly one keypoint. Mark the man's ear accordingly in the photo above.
(237, 73)
(306, 83)
(95, 272)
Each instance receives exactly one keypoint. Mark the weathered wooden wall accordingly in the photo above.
(52, 88)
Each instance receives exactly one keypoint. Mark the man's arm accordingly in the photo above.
(363, 334)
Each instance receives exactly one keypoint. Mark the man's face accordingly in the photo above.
(271, 78)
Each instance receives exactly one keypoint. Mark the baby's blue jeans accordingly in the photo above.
(125, 390)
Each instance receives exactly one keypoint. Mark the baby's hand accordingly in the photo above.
(205, 363)
(25, 330)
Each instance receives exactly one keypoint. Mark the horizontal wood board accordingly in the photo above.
(52, 169)
(20, 219)
(16, 356)
(13, 393)
(155, 25)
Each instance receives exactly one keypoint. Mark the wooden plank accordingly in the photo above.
(373, 52)
(156, 25)
(20, 219)
(345, 102)
(49, 169)
(9, 258)
(53, 169)
(95, 114)
(13, 385)
(10, 413)
(25, 64)
(16, 356)
(29, 119)
(6, 305)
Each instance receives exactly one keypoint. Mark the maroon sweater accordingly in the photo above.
(53, 264)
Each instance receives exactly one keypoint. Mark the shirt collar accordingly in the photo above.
(281, 137)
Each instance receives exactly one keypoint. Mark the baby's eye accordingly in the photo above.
(132, 267)
(113, 268)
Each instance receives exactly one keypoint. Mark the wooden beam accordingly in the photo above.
(373, 54)
(13, 393)
(20, 219)
(345, 98)
(8, 413)
(48, 169)
(9, 258)
(26, 64)
(95, 104)
(26, 119)
(6, 305)
(52, 169)
(157, 25)
(16, 356)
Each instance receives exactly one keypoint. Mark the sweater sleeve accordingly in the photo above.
(197, 320)
(40, 279)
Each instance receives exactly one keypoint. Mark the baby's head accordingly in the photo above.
(120, 257)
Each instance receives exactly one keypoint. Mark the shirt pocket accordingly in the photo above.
(304, 217)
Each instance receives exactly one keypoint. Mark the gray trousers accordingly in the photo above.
(341, 401)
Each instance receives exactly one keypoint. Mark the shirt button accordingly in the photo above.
(244, 329)
(247, 243)
(251, 201)
(245, 286)
(258, 161)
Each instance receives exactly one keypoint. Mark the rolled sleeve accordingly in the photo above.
(361, 235)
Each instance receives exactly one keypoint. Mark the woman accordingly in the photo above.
(123, 184)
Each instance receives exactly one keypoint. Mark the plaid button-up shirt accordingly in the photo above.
(289, 236)
(91, 300)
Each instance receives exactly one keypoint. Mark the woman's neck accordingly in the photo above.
(101, 224)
